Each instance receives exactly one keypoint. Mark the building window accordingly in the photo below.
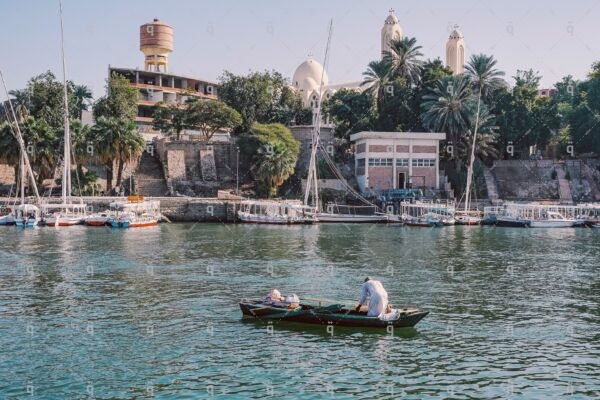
(381, 162)
(360, 163)
(402, 162)
(420, 162)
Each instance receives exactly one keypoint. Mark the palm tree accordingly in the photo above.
(448, 107)
(276, 164)
(44, 143)
(405, 61)
(131, 147)
(83, 98)
(485, 78)
(117, 141)
(376, 77)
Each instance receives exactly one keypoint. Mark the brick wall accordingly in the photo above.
(424, 175)
(402, 148)
(424, 149)
(361, 148)
(381, 177)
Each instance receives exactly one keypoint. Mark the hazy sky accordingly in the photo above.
(556, 38)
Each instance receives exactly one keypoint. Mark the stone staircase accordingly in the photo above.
(564, 187)
(149, 180)
(490, 184)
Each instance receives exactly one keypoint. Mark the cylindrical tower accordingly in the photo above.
(156, 42)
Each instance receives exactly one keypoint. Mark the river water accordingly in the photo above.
(152, 312)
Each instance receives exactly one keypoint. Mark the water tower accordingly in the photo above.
(156, 42)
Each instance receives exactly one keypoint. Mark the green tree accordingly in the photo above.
(170, 118)
(120, 101)
(116, 141)
(211, 116)
(405, 59)
(350, 111)
(273, 152)
(449, 106)
(261, 97)
(83, 99)
(376, 79)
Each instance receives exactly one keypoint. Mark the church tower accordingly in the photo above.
(391, 30)
(455, 52)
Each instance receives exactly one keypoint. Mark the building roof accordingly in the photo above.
(397, 135)
(154, 73)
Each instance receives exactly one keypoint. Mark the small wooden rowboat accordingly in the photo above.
(333, 314)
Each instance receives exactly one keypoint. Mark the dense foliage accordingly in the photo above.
(273, 153)
(262, 97)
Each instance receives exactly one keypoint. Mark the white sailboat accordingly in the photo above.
(24, 215)
(67, 213)
(312, 189)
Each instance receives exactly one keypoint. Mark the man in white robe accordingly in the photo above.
(373, 294)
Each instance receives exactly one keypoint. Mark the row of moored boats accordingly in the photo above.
(135, 212)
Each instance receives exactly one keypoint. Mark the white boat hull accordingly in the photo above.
(552, 224)
(347, 218)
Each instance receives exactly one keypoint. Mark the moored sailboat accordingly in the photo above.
(66, 213)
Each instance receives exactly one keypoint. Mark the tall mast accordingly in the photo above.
(19, 137)
(312, 181)
(66, 173)
(23, 177)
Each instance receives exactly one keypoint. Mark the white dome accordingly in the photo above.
(456, 34)
(391, 19)
(308, 76)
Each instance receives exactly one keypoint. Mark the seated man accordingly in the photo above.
(377, 297)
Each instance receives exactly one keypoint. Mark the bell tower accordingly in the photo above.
(455, 51)
(391, 31)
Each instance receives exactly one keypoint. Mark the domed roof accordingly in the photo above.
(308, 75)
(456, 34)
(391, 19)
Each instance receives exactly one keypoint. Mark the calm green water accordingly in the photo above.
(129, 314)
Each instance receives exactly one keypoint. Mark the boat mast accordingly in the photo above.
(312, 181)
(66, 173)
(472, 159)
(19, 137)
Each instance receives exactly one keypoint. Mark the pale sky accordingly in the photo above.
(556, 38)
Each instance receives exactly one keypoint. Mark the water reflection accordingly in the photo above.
(516, 306)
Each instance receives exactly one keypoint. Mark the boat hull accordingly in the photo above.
(351, 219)
(512, 222)
(329, 316)
(26, 224)
(66, 221)
(552, 224)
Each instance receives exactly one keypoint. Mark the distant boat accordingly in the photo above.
(135, 213)
(427, 220)
(96, 220)
(67, 213)
(511, 221)
(27, 216)
(553, 220)
(275, 213)
(353, 218)
(7, 216)
(468, 218)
